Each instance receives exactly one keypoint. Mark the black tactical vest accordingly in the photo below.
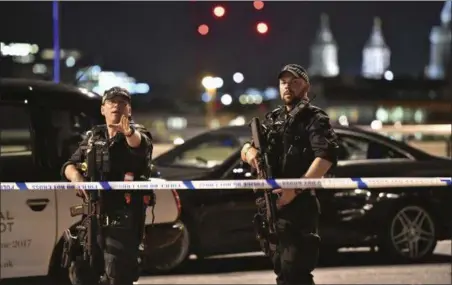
(120, 159)
(290, 152)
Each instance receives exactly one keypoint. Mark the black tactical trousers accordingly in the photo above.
(296, 254)
(120, 251)
(121, 256)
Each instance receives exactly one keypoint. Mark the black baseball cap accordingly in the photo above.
(297, 71)
(116, 91)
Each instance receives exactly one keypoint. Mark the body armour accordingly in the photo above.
(121, 158)
(294, 140)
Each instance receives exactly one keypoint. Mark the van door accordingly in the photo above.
(27, 218)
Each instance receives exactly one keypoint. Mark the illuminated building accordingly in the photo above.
(20, 52)
(376, 53)
(26, 60)
(97, 80)
(324, 51)
(440, 45)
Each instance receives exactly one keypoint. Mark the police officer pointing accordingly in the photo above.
(127, 152)
(302, 147)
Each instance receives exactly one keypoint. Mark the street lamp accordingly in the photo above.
(238, 77)
(203, 29)
(262, 28)
(258, 5)
(211, 84)
(219, 11)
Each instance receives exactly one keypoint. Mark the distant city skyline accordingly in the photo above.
(157, 42)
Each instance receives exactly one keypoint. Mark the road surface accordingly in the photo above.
(346, 268)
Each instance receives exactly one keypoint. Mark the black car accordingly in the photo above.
(403, 223)
(41, 125)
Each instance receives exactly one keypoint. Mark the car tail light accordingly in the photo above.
(177, 198)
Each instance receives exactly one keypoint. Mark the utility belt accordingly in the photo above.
(126, 213)
(148, 200)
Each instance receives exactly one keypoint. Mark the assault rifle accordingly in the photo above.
(266, 227)
(94, 169)
(97, 166)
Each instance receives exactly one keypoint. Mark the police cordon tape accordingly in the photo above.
(305, 183)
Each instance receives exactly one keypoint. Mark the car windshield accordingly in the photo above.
(204, 151)
(431, 139)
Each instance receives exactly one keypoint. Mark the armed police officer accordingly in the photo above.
(104, 249)
(300, 144)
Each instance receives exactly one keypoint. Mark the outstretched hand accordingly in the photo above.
(123, 126)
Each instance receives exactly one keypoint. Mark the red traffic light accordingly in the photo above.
(258, 5)
(262, 28)
(219, 11)
(203, 29)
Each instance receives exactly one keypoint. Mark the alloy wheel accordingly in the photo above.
(412, 232)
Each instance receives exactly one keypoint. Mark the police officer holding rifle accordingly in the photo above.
(104, 248)
(295, 140)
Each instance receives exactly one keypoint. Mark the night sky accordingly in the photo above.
(157, 42)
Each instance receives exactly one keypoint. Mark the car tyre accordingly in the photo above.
(172, 256)
(57, 273)
(410, 234)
